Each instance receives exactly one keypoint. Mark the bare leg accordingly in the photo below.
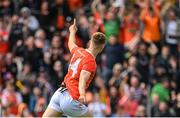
(51, 113)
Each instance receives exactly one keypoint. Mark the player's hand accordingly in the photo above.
(82, 99)
(73, 28)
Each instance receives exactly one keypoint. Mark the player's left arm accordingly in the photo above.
(84, 76)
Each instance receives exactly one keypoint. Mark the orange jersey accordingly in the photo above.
(81, 60)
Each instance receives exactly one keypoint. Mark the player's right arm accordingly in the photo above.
(72, 39)
(84, 76)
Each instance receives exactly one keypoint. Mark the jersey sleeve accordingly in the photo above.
(89, 66)
(75, 48)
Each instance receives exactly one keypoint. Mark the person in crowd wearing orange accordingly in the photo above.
(98, 10)
(130, 30)
(151, 20)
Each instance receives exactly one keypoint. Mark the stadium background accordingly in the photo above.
(138, 72)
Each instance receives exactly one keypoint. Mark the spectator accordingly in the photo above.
(7, 7)
(31, 53)
(132, 66)
(115, 55)
(3, 46)
(130, 30)
(172, 33)
(83, 29)
(45, 16)
(41, 41)
(11, 98)
(113, 99)
(26, 73)
(151, 20)
(161, 89)
(143, 62)
(116, 76)
(29, 20)
(16, 32)
(111, 23)
(4, 29)
(141, 111)
(135, 91)
(57, 74)
(60, 11)
(34, 98)
(11, 65)
(163, 110)
(164, 56)
(97, 108)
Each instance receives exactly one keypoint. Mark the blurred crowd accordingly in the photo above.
(137, 74)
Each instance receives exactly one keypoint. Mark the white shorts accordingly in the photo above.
(62, 102)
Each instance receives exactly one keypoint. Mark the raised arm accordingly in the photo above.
(84, 76)
(101, 10)
(72, 39)
(94, 5)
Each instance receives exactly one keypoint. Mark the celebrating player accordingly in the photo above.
(69, 99)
